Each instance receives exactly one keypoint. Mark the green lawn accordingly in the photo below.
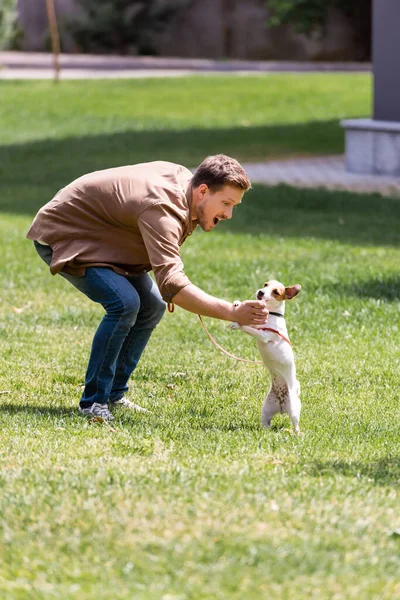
(58, 132)
(196, 501)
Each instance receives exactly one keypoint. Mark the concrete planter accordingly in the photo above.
(372, 146)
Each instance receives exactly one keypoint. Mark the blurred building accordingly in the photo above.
(208, 29)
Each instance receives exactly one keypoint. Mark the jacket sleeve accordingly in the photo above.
(161, 231)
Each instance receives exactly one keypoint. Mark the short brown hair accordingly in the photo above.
(219, 170)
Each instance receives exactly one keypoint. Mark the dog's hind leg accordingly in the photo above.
(269, 409)
(296, 421)
(294, 413)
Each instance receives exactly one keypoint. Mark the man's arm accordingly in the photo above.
(193, 299)
(160, 231)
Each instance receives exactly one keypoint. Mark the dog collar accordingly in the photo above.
(276, 314)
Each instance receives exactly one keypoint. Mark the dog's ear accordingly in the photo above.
(292, 291)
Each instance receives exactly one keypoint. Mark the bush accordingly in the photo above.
(307, 16)
(121, 26)
(8, 23)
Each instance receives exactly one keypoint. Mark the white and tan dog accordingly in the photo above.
(277, 354)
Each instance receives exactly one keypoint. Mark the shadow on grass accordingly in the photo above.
(387, 289)
(353, 219)
(39, 410)
(385, 471)
(31, 174)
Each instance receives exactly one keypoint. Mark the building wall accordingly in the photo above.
(210, 29)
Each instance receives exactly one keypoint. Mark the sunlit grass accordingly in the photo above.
(195, 500)
(101, 107)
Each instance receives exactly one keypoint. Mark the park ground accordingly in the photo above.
(195, 500)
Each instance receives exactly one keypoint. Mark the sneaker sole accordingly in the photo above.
(92, 417)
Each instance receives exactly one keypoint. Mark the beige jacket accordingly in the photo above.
(132, 219)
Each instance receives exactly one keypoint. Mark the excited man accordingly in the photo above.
(106, 230)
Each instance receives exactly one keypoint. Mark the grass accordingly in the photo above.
(60, 132)
(196, 500)
(104, 123)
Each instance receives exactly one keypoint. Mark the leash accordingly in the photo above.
(171, 308)
(275, 331)
(254, 362)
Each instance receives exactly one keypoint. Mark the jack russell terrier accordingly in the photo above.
(277, 354)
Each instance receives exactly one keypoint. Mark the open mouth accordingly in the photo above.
(216, 220)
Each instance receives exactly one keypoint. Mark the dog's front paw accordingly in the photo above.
(234, 326)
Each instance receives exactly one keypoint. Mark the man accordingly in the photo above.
(106, 230)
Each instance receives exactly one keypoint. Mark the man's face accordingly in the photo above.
(212, 207)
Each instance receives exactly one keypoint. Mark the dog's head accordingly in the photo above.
(275, 292)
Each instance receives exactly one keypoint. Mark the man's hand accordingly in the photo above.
(193, 299)
(251, 312)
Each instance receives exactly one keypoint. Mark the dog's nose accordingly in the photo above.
(260, 294)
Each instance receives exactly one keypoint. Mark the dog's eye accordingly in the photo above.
(266, 284)
(275, 292)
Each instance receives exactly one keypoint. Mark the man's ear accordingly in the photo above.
(292, 291)
(203, 189)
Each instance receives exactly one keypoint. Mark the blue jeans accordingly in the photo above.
(134, 307)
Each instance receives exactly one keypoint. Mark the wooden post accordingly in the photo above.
(55, 37)
(227, 8)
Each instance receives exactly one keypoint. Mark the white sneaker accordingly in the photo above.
(97, 411)
(125, 403)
